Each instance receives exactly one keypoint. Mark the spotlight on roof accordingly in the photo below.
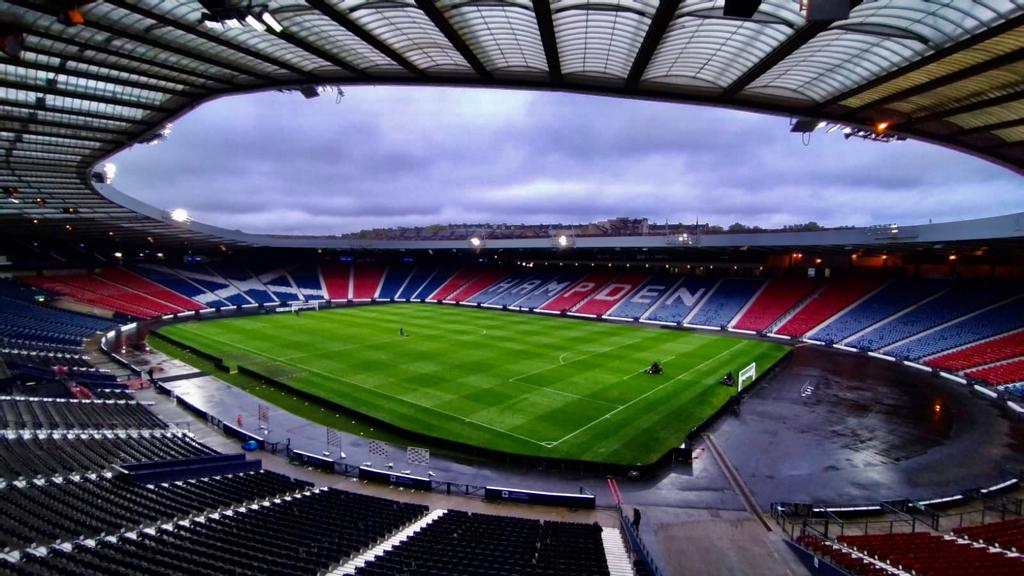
(562, 239)
(882, 126)
(118, 255)
(222, 14)
(105, 175)
(180, 215)
(476, 242)
(315, 90)
(157, 137)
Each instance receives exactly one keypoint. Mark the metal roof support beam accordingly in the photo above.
(200, 33)
(98, 78)
(145, 41)
(320, 53)
(801, 36)
(546, 27)
(663, 16)
(83, 47)
(943, 81)
(963, 109)
(358, 31)
(45, 148)
(1015, 123)
(62, 136)
(77, 113)
(36, 88)
(950, 50)
(59, 124)
(445, 27)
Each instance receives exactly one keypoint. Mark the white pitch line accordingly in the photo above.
(340, 379)
(639, 398)
(515, 378)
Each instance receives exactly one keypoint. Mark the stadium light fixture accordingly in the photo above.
(475, 242)
(180, 215)
(118, 255)
(269, 20)
(157, 137)
(257, 24)
(882, 126)
(222, 14)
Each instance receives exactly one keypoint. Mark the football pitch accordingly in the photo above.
(518, 383)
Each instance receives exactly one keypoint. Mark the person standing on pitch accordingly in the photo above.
(401, 332)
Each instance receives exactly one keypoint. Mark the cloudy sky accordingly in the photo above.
(417, 156)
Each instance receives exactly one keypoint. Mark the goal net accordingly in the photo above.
(746, 375)
(296, 306)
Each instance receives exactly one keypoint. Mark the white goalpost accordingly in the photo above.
(746, 375)
(296, 306)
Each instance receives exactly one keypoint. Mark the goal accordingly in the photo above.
(746, 375)
(296, 306)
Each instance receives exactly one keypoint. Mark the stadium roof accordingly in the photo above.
(949, 72)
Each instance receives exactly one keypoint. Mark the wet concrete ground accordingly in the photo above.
(840, 428)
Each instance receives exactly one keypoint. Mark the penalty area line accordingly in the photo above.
(639, 398)
(399, 398)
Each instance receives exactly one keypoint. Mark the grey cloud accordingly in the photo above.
(417, 156)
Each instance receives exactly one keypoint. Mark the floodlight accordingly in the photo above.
(252, 21)
(475, 242)
(269, 20)
(118, 255)
(563, 241)
(180, 215)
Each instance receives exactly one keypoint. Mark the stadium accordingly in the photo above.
(622, 397)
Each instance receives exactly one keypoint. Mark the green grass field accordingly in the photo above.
(518, 383)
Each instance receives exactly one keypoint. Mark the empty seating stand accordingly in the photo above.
(933, 555)
(891, 299)
(833, 298)
(1008, 534)
(96, 291)
(463, 544)
(300, 535)
(149, 288)
(678, 302)
(337, 280)
(996, 320)
(450, 286)
(76, 508)
(778, 297)
(991, 351)
(950, 305)
(578, 292)
(35, 457)
(63, 414)
(177, 283)
(1010, 372)
(366, 281)
(395, 278)
(722, 305)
